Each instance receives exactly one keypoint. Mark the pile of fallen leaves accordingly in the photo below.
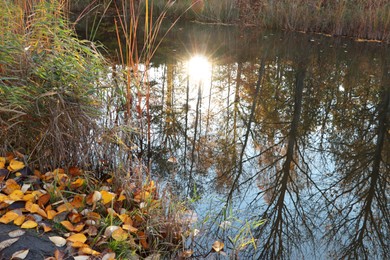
(86, 217)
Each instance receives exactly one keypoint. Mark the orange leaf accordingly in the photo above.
(46, 228)
(130, 228)
(126, 219)
(77, 183)
(107, 196)
(119, 235)
(142, 240)
(29, 224)
(79, 244)
(69, 226)
(74, 171)
(77, 237)
(51, 213)
(43, 200)
(8, 217)
(2, 162)
(10, 186)
(74, 217)
(78, 201)
(88, 251)
(64, 207)
(93, 215)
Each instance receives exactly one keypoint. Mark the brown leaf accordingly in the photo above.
(10, 186)
(43, 200)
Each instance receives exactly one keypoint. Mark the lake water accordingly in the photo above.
(281, 141)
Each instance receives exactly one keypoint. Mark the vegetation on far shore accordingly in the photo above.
(361, 19)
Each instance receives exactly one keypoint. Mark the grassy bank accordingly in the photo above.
(366, 19)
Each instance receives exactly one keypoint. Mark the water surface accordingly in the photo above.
(288, 128)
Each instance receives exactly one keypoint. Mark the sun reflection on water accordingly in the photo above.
(199, 69)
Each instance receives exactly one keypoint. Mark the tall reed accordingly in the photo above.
(48, 84)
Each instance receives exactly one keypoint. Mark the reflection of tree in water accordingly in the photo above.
(360, 215)
(315, 133)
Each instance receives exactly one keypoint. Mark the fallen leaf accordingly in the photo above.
(78, 201)
(2, 162)
(142, 239)
(96, 196)
(8, 217)
(19, 220)
(64, 207)
(29, 224)
(10, 186)
(51, 214)
(107, 197)
(75, 217)
(81, 257)
(43, 200)
(69, 226)
(109, 256)
(16, 195)
(77, 183)
(79, 244)
(6, 243)
(88, 251)
(119, 235)
(109, 230)
(187, 253)
(218, 246)
(58, 241)
(77, 237)
(74, 171)
(130, 228)
(16, 233)
(25, 187)
(15, 165)
(21, 254)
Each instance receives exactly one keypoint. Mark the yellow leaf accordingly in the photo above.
(107, 196)
(16, 195)
(77, 237)
(2, 162)
(8, 217)
(29, 197)
(88, 251)
(130, 228)
(31, 207)
(19, 220)
(126, 219)
(119, 235)
(77, 183)
(15, 165)
(218, 246)
(29, 224)
(3, 197)
(79, 244)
